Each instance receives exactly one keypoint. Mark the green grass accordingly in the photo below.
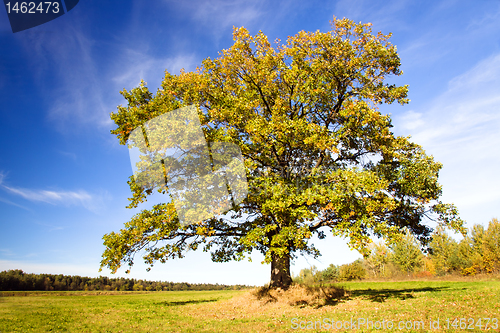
(102, 312)
(238, 311)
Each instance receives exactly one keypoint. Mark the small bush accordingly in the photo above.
(308, 276)
(423, 274)
(469, 271)
(331, 273)
(352, 271)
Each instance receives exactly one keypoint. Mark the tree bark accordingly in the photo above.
(280, 271)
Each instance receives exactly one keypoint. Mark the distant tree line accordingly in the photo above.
(17, 280)
(477, 253)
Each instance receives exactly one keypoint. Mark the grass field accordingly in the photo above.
(412, 303)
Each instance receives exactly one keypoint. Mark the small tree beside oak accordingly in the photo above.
(319, 156)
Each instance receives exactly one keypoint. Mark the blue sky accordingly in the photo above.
(63, 175)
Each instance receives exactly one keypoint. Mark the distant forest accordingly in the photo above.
(17, 280)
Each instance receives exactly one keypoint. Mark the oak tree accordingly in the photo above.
(319, 155)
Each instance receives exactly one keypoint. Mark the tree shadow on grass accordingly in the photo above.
(195, 301)
(381, 295)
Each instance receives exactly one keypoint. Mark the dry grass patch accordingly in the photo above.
(260, 311)
(301, 295)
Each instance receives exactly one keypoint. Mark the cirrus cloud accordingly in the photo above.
(92, 202)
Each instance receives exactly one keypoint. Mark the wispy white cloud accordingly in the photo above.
(13, 204)
(467, 111)
(6, 252)
(381, 15)
(136, 65)
(76, 94)
(52, 197)
(49, 226)
(71, 155)
(487, 22)
(224, 12)
(219, 15)
(92, 202)
(411, 120)
(3, 176)
(461, 128)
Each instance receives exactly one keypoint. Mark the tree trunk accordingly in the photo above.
(280, 271)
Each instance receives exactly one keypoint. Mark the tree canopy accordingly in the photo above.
(318, 154)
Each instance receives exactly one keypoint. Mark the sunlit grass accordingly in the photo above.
(240, 311)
